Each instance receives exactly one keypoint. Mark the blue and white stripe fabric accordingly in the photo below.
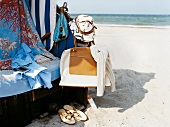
(44, 16)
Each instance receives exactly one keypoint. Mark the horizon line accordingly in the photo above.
(116, 14)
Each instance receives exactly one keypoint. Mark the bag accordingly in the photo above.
(78, 68)
(65, 42)
(83, 28)
(58, 49)
(61, 31)
(82, 62)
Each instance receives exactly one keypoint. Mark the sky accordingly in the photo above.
(117, 6)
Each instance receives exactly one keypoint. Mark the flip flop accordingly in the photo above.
(79, 115)
(65, 117)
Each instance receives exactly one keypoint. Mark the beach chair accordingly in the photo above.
(86, 66)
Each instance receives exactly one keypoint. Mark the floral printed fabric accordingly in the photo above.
(16, 27)
(4, 64)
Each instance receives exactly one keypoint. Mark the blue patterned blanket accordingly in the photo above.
(17, 27)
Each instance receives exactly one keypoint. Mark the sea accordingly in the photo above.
(131, 20)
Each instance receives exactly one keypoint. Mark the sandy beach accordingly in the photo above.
(141, 63)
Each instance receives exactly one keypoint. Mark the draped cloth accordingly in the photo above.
(16, 27)
(36, 75)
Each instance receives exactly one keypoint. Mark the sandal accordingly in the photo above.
(79, 115)
(65, 117)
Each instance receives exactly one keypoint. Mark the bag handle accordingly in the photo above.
(75, 41)
(65, 4)
(64, 8)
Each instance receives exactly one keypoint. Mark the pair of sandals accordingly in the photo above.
(69, 114)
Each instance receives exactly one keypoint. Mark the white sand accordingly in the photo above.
(141, 62)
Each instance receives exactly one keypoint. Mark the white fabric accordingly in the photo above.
(42, 22)
(76, 80)
(53, 14)
(33, 11)
(104, 67)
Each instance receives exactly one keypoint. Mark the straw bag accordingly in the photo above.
(78, 68)
(82, 62)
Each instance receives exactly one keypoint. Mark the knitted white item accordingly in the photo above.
(104, 67)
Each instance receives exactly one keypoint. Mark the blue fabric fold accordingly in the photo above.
(37, 75)
(10, 87)
(23, 57)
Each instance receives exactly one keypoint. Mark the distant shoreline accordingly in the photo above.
(132, 20)
(133, 26)
(124, 14)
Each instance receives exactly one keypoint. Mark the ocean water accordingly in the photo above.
(162, 21)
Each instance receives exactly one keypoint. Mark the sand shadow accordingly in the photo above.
(130, 91)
